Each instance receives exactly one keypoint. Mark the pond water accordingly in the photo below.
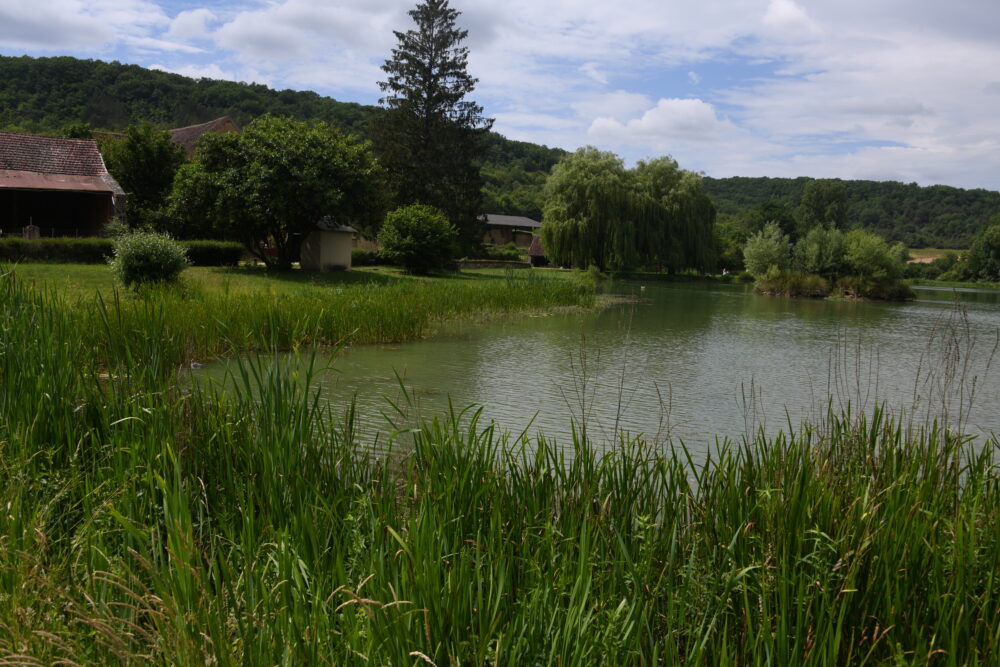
(692, 362)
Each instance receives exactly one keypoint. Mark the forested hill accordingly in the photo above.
(43, 95)
(934, 216)
(46, 95)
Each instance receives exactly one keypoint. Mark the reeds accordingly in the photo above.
(145, 522)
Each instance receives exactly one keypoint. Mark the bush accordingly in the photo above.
(419, 238)
(214, 253)
(505, 253)
(883, 289)
(793, 284)
(147, 257)
(362, 257)
(70, 250)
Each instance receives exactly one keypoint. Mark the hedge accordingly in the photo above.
(214, 253)
(99, 250)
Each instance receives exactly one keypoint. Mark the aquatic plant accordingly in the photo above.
(148, 520)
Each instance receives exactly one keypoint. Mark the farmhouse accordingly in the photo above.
(502, 229)
(51, 186)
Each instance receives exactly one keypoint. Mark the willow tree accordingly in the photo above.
(598, 212)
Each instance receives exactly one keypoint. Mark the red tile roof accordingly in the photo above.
(50, 155)
(189, 136)
(28, 161)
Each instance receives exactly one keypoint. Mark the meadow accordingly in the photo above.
(216, 312)
(148, 520)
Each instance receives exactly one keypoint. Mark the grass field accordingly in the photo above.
(220, 311)
(928, 254)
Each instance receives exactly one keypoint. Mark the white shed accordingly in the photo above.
(328, 247)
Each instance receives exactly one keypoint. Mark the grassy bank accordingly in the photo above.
(143, 522)
(951, 283)
(222, 311)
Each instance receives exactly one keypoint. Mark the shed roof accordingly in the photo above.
(511, 221)
(536, 249)
(32, 162)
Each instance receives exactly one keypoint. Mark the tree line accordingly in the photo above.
(934, 216)
(60, 95)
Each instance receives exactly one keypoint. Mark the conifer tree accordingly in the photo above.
(430, 138)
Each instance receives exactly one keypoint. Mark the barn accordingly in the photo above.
(50, 186)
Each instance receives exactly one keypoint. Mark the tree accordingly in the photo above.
(821, 252)
(597, 212)
(867, 256)
(765, 249)
(419, 237)
(824, 202)
(271, 183)
(755, 218)
(983, 258)
(144, 163)
(430, 138)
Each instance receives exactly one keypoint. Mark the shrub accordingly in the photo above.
(362, 257)
(147, 257)
(874, 288)
(505, 253)
(78, 251)
(419, 238)
(214, 253)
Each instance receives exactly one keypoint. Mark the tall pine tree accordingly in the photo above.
(430, 137)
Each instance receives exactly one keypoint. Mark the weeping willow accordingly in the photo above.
(599, 213)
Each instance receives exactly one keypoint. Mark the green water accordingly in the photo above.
(691, 363)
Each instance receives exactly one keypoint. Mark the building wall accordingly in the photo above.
(326, 251)
(55, 212)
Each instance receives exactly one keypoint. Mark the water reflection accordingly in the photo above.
(674, 361)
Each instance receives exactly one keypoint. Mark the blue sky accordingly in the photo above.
(904, 90)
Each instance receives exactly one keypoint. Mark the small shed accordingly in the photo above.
(328, 247)
(502, 229)
(536, 252)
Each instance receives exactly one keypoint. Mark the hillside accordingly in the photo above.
(936, 216)
(46, 95)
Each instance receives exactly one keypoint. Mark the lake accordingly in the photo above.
(692, 362)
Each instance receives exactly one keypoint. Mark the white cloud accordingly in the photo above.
(787, 17)
(817, 87)
(192, 24)
(669, 122)
(75, 24)
(591, 70)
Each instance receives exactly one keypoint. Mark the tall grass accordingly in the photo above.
(198, 323)
(145, 522)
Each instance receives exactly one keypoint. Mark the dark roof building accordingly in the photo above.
(189, 136)
(501, 229)
(60, 185)
(515, 221)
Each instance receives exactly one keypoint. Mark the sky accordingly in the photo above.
(904, 90)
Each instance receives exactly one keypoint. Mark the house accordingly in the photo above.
(328, 247)
(50, 186)
(503, 229)
(188, 136)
